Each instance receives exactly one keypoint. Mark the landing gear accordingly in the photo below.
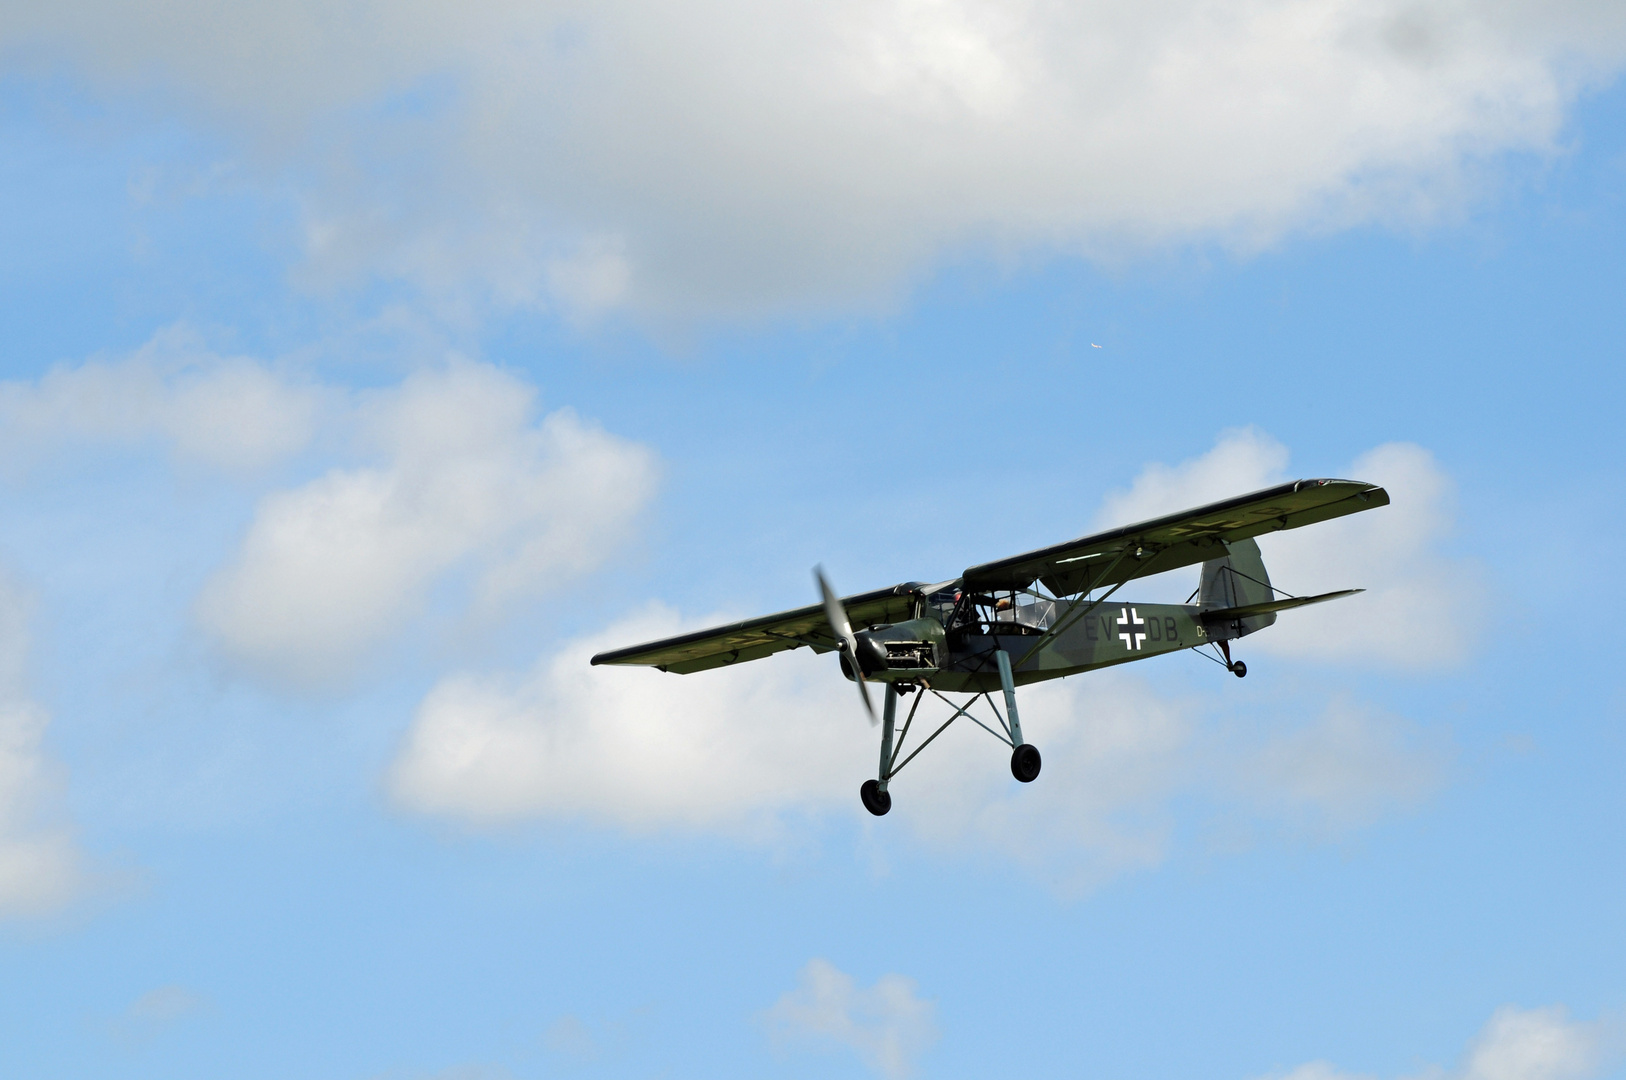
(1025, 759)
(1024, 756)
(1235, 667)
(1025, 763)
(1239, 669)
(877, 800)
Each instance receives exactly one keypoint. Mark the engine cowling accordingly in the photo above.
(899, 652)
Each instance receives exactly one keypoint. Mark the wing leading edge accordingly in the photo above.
(1168, 543)
(756, 638)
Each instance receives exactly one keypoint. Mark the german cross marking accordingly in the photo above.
(1131, 628)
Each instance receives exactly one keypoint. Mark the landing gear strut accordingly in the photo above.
(1235, 667)
(1024, 755)
(1025, 760)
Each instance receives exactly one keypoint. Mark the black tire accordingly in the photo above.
(875, 800)
(1025, 763)
(1239, 669)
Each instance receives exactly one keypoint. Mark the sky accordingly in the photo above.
(365, 368)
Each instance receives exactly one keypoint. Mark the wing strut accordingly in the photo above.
(1068, 620)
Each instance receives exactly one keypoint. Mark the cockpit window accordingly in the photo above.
(1013, 612)
(940, 604)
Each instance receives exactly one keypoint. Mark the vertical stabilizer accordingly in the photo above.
(1237, 580)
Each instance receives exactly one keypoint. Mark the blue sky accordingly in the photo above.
(366, 369)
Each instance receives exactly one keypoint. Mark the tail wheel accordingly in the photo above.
(1025, 763)
(876, 800)
(1239, 669)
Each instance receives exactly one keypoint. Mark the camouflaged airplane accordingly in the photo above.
(1032, 617)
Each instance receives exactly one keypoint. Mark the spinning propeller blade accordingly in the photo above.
(844, 631)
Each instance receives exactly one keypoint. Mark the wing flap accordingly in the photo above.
(1176, 540)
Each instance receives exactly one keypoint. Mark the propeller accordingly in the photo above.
(844, 631)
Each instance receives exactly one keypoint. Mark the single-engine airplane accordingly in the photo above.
(1041, 615)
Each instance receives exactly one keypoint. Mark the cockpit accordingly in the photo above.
(1011, 611)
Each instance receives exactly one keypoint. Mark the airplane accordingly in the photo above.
(1033, 617)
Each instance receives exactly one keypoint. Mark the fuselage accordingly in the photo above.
(1111, 633)
(952, 645)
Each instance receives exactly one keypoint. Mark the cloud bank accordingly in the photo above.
(1516, 1044)
(40, 865)
(229, 412)
(634, 746)
(887, 1025)
(451, 489)
(723, 157)
(467, 483)
(748, 751)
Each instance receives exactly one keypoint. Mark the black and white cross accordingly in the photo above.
(1131, 630)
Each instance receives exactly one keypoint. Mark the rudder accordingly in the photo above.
(1237, 580)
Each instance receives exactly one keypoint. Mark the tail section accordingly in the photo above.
(1238, 580)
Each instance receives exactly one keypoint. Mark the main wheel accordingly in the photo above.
(875, 800)
(1239, 669)
(1025, 763)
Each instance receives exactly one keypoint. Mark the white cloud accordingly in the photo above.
(635, 746)
(40, 865)
(743, 750)
(1534, 1044)
(1119, 754)
(458, 481)
(1344, 769)
(1115, 753)
(570, 1037)
(887, 1025)
(746, 750)
(227, 411)
(467, 483)
(1242, 460)
(591, 281)
(751, 157)
(163, 1005)
(1321, 1070)
(1421, 606)
(1516, 1044)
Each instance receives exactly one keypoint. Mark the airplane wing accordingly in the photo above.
(1166, 543)
(756, 638)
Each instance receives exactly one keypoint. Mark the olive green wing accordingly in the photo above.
(764, 636)
(1167, 543)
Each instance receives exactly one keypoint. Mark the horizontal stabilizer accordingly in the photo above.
(1249, 610)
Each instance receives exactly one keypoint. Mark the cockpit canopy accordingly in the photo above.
(999, 611)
